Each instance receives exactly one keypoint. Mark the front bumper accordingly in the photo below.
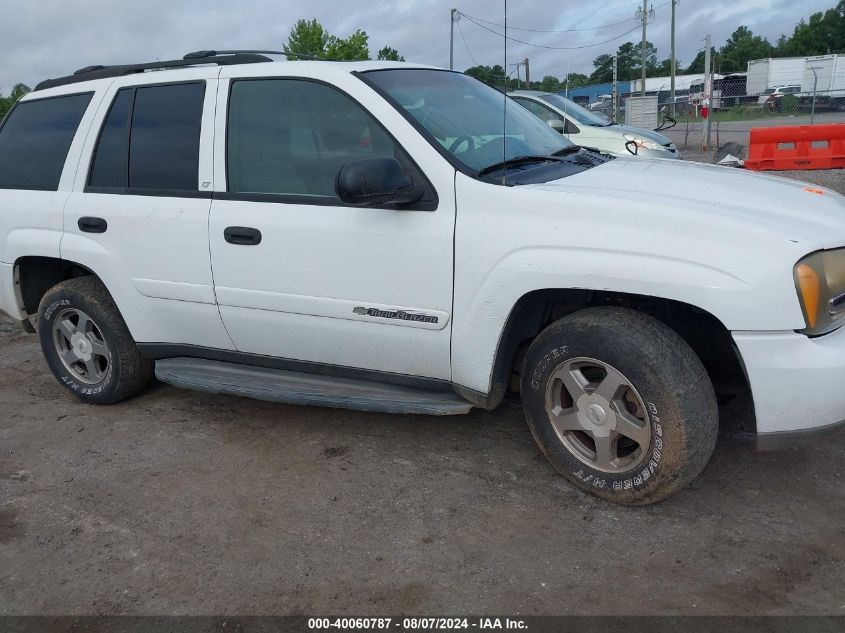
(797, 383)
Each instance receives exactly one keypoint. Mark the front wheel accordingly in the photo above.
(87, 345)
(619, 404)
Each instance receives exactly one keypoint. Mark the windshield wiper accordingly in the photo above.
(514, 162)
(567, 150)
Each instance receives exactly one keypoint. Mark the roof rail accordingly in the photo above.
(249, 52)
(193, 59)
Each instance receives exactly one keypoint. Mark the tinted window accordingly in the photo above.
(539, 110)
(582, 115)
(289, 136)
(35, 139)
(165, 138)
(110, 167)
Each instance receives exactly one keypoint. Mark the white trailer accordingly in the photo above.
(826, 75)
(774, 71)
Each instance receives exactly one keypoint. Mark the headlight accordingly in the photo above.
(642, 143)
(820, 280)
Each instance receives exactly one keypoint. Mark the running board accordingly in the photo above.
(291, 387)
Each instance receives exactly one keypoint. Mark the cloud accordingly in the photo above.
(50, 38)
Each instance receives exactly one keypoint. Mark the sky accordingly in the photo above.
(50, 38)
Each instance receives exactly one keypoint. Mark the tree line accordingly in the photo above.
(822, 33)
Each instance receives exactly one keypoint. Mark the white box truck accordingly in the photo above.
(772, 72)
(824, 75)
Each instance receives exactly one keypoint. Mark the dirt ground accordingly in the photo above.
(184, 503)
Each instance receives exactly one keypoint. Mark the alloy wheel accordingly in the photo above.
(598, 415)
(81, 346)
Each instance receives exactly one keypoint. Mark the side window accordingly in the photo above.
(538, 110)
(150, 139)
(35, 139)
(111, 158)
(289, 136)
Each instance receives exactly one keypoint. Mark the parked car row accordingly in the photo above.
(771, 100)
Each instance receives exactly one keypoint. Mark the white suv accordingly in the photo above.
(396, 238)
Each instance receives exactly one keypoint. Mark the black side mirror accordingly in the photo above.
(376, 181)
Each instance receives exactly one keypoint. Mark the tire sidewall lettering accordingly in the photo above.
(53, 307)
(545, 362)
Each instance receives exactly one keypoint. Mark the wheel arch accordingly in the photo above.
(35, 275)
(708, 337)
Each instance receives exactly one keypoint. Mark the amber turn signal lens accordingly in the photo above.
(808, 282)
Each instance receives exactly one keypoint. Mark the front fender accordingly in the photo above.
(512, 241)
(480, 322)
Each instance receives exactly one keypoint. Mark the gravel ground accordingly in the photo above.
(183, 503)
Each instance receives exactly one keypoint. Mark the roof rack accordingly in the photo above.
(249, 52)
(221, 58)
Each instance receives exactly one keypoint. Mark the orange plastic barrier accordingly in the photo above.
(797, 147)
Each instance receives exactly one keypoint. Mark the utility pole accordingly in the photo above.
(815, 85)
(568, 66)
(454, 18)
(673, 66)
(708, 92)
(645, 22)
(527, 75)
(615, 92)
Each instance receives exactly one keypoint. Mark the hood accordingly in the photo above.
(651, 135)
(807, 215)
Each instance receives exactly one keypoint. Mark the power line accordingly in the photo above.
(572, 30)
(553, 48)
(463, 37)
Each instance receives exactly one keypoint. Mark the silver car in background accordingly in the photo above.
(590, 129)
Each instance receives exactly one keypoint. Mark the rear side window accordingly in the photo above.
(150, 139)
(35, 139)
(110, 167)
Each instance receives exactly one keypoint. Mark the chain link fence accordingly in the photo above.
(732, 113)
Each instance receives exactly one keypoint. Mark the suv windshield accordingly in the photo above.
(467, 118)
(580, 114)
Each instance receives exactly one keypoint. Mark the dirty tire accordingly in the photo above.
(669, 379)
(125, 371)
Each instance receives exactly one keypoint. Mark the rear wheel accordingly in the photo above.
(619, 404)
(87, 345)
